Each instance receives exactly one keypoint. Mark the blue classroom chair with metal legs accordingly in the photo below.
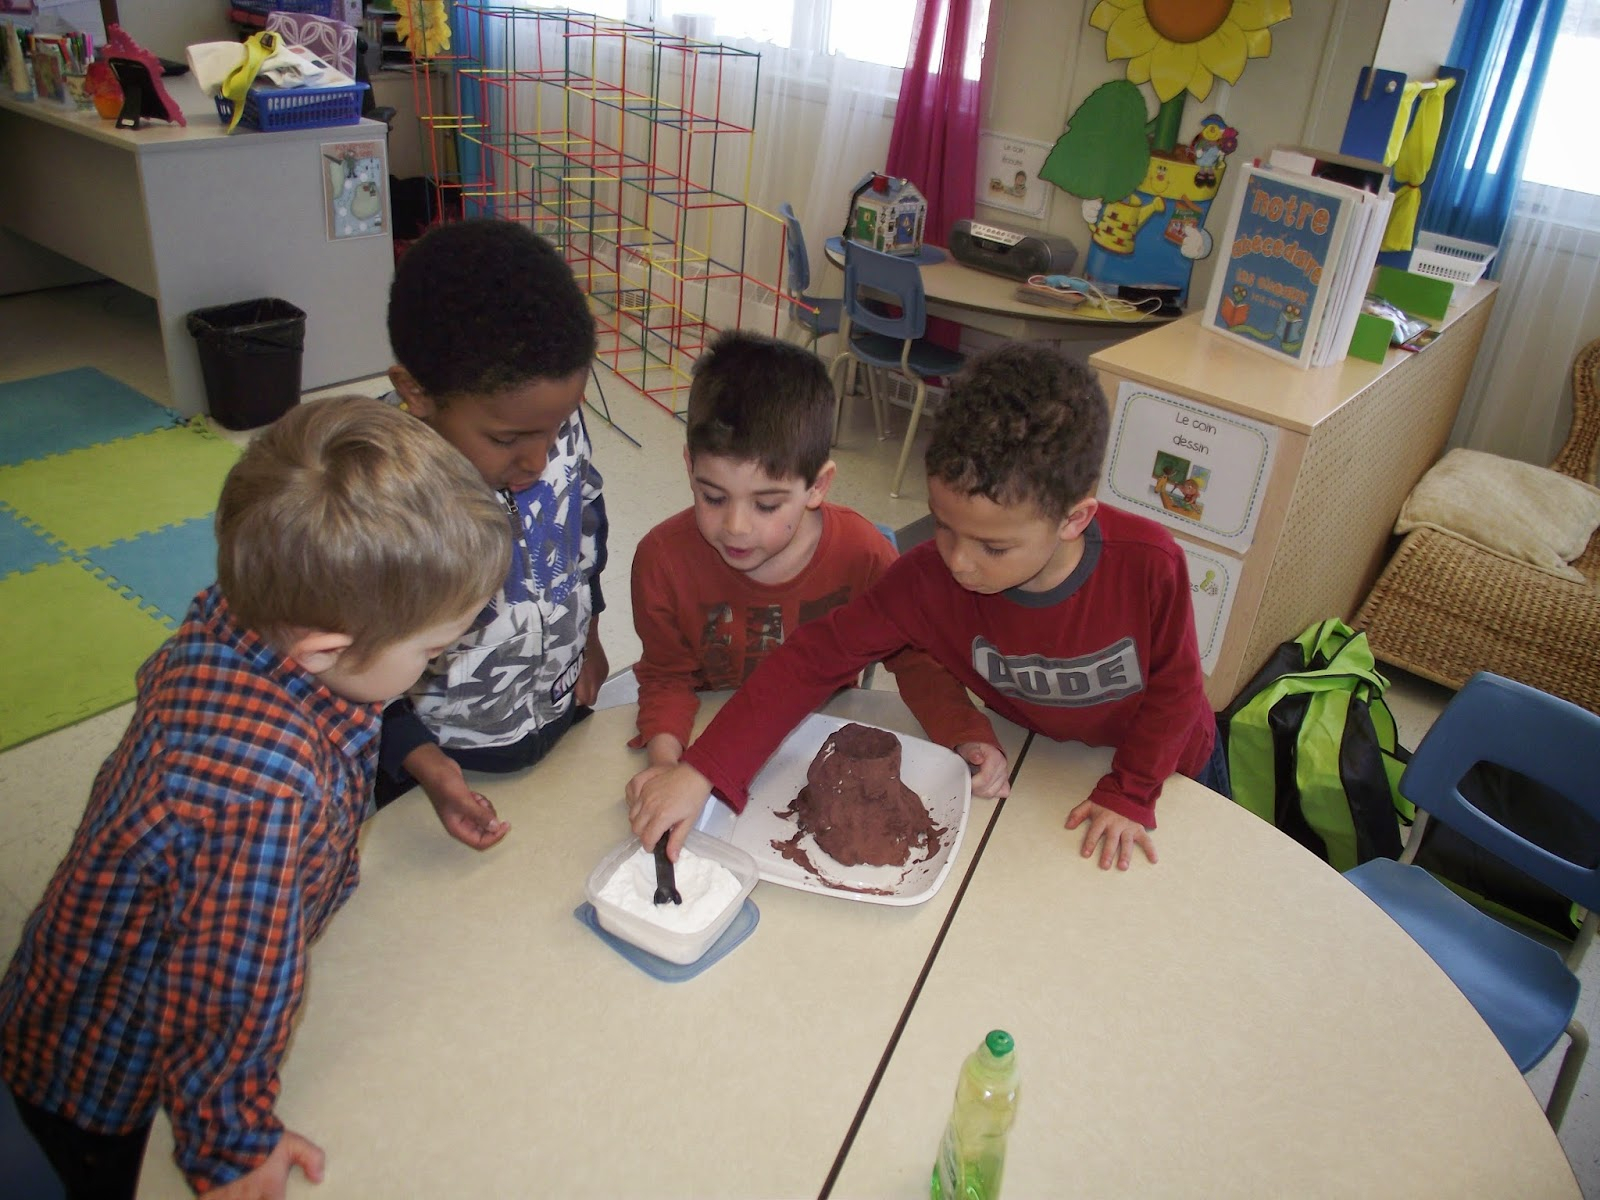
(886, 315)
(1524, 990)
(817, 315)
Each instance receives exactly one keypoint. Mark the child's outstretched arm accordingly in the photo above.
(669, 664)
(1114, 834)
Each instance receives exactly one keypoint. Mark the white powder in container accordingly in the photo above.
(707, 888)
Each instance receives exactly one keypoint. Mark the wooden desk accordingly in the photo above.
(194, 217)
(981, 300)
(464, 1035)
(1235, 1021)
(1351, 440)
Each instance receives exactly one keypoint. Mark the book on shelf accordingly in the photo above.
(1297, 252)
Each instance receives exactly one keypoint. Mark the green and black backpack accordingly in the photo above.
(1312, 747)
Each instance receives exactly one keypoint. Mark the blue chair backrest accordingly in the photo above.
(1547, 739)
(891, 279)
(795, 250)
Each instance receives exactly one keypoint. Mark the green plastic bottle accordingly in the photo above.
(972, 1155)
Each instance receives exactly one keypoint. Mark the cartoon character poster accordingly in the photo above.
(356, 186)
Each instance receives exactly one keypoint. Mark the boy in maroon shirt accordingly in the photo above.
(1066, 616)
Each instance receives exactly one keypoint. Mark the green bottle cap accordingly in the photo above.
(999, 1043)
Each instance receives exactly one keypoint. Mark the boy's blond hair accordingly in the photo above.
(349, 516)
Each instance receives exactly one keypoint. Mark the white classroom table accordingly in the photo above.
(193, 217)
(1235, 1021)
(464, 1035)
(989, 302)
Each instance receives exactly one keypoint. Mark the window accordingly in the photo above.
(1560, 150)
(879, 32)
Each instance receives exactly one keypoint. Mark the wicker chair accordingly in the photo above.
(1445, 608)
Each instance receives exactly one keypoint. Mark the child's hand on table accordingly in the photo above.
(270, 1180)
(666, 800)
(989, 769)
(1116, 835)
(465, 814)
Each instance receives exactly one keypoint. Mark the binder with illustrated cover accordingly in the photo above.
(1354, 274)
(1279, 261)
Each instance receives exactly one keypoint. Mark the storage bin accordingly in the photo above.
(272, 109)
(249, 359)
(1454, 259)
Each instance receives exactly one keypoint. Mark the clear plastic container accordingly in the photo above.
(668, 944)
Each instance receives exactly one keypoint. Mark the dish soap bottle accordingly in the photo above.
(972, 1155)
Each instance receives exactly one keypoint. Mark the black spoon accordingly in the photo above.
(666, 882)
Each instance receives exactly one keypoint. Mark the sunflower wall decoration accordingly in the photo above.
(424, 26)
(1145, 196)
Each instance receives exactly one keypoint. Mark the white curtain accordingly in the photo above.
(822, 121)
(1519, 401)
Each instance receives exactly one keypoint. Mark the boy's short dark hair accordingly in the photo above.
(482, 305)
(757, 399)
(348, 516)
(1022, 422)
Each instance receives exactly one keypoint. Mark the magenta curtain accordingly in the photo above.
(934, 143)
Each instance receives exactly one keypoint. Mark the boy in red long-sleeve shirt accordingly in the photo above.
(721, 585)
(1064, 615)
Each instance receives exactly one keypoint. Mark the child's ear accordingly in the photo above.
(688, 463)
(413, 398)
(317, 650)
(1078, 518)
(818, 491)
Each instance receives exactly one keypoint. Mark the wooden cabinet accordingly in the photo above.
(1336, 449)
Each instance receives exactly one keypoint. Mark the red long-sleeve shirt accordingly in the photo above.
(1108, 658)
(705, 626)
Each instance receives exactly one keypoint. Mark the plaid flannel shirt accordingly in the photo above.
(167, 959)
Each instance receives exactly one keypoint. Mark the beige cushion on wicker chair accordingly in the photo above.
(1445, 606)
(1526, 512)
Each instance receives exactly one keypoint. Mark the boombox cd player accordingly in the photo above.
(1011, 252)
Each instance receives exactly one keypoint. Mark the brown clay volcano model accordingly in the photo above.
(855, 806)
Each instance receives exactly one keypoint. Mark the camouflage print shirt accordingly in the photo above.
(514, 671)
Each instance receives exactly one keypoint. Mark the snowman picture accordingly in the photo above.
(354, 178)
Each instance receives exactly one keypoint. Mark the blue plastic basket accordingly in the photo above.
(272, 109)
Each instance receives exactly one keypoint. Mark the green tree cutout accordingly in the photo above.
(1104, 151)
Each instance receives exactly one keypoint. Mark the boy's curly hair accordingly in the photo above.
(482, 305)
(757, 399)
(1022, 422)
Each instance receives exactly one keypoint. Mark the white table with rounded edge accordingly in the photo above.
(464, 1035)
(982, 300)
(1235, 1021)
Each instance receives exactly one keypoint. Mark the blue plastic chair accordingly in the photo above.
(817, 315)
(886, 314)
(1524, 990)
(26, 1171)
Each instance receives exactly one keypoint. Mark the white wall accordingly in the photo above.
(1417, 36)
(165, 27)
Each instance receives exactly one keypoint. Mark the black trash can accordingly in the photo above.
(250, 359)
